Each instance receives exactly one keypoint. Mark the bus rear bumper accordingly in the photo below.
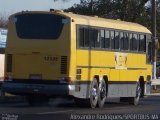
(44, 89)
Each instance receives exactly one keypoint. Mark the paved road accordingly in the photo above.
(66, 109)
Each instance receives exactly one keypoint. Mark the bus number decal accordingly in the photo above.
(51, 58)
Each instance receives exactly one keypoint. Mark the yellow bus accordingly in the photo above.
(55, 53)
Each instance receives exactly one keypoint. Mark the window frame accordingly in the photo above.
(144, 47)
(129, 50)
(78, 35)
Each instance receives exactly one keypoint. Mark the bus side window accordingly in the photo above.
(142, 43)
(135, 42)
(126, 41)
(112, 39)
(116, 40)
(81, 37)
(86, 38)
(102, 38)
(121, 40)
(107, 39)
(131, 41)
(96, 38)
(91, 37)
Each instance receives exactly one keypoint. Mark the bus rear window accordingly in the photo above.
(39, 26)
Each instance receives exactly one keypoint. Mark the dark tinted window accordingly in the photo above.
(83, 37)
(122, 40)
(39, 26)
(102, 38)
(142, 43)
(99, 38)
(86, 37)
(135, 42)
(126, 41)
(124, 37)
(112, 39)
(107, 39)
(96, 38)
(91, 37)
(131, 41)
(116, 40)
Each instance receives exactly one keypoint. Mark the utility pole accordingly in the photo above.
(154, 37)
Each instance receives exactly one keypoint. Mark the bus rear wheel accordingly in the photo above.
(101, 94)
(93, 93)
(135, 100)
(93, 100)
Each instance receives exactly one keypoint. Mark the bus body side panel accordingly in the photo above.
(122, 82)
(123, 70)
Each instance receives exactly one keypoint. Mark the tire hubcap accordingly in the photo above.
(94, 93)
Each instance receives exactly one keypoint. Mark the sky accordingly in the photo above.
(8, 7)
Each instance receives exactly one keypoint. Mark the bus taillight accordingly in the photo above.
(8, 77)
(66, 80)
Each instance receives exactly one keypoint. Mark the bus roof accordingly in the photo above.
(97, 21)
(108, 23)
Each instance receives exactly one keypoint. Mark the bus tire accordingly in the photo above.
(93, 93)
(101, 93)
(135, 100)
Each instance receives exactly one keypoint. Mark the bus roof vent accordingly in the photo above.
(53, 10)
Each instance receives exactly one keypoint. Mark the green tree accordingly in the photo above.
(138, 11)
(83, 8)
(3, 21)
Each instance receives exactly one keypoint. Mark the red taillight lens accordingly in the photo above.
(8, 76)
(68, 79)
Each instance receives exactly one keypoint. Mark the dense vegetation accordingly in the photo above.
(138, 11)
